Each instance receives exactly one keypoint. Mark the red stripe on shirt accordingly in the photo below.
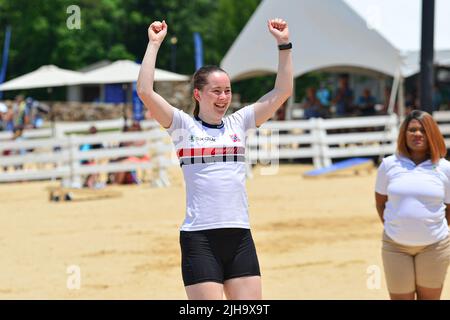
(209, 151)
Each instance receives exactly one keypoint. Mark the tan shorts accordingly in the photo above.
(408, 266)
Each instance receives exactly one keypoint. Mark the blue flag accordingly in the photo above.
(5, 56)
(198, 46)
(138, 106)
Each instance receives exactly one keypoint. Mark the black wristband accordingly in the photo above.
(285, 46)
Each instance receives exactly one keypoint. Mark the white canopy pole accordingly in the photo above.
(401, 100)
(394, 91)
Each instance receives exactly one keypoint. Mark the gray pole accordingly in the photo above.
(426, 56)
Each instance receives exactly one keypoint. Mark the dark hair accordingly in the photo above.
(200, 79)
(433, 135)
(135, 126)
(92, 130)
(18, 128)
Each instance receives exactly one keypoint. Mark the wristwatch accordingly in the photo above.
(285, 46)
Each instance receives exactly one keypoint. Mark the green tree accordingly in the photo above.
(117, 29)
(229, 19)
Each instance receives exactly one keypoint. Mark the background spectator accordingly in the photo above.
(92, 180)
(436, 98)
(343, 99)
(366, 103)
(324, 95)
(311, 105)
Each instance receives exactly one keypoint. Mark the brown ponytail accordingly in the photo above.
(196, 108)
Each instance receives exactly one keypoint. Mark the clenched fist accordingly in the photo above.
(279, 29)
(157, 31)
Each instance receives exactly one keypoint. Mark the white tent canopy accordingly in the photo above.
(399, 21)
(325, 34)
(125, 71)
(121, 71)
(45, 77)
(412, 61)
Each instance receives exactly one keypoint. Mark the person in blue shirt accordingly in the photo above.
(343, 99)
(366, 103)
(324, 95)
(311, 105)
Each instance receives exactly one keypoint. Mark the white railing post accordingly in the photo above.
(75, 180)
(159, 168)
(250, 135)
(394, 131)
(322, 133)
(316, 143)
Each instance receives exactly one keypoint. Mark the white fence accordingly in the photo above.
(323, 139)
(362, 136)
(62, 129)
(284, 140)
(443, 119)
(38, 157)
(62, 157)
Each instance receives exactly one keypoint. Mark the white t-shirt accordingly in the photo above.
(415, 211)
(213, 162)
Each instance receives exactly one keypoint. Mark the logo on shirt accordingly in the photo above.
(193, 138)
(235, 137)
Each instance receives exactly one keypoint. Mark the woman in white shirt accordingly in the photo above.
(217, 250)
(412, 196)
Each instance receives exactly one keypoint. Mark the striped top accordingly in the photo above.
(213, 162)
(210, 155)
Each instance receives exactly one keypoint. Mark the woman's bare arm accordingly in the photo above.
(380, 201)
(268, 104)
(159, 108)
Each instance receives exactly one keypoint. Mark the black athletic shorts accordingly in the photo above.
(217, 255)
